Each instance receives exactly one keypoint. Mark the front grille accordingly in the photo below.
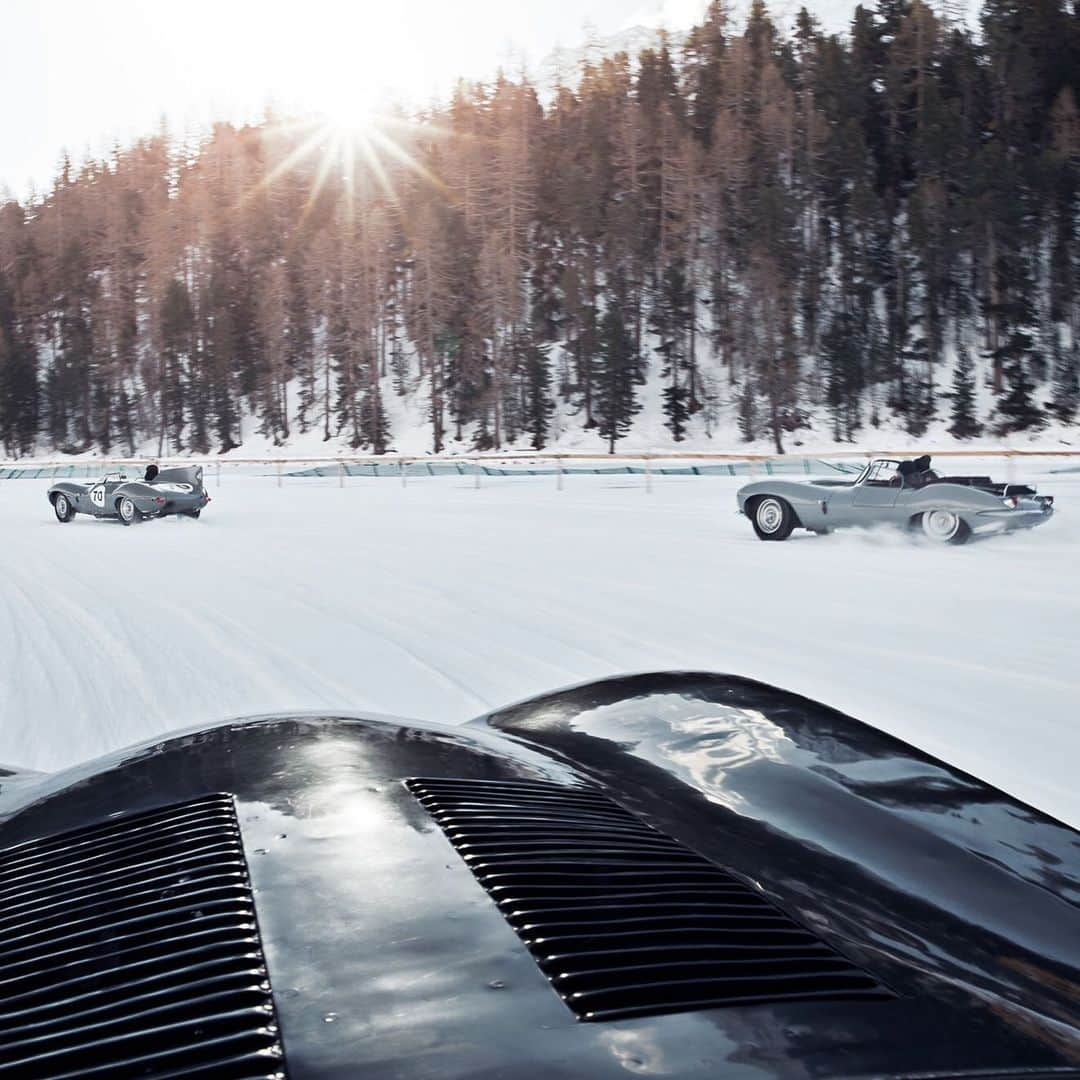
(622, 919)
(131, 949)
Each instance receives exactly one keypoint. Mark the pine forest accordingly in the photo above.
(770, 231)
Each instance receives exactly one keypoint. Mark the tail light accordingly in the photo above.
(159, 500)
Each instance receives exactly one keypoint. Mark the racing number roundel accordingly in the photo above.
(97, 495)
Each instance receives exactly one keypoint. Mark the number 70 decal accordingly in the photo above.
(97, 495)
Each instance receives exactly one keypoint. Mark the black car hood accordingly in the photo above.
(388, 959)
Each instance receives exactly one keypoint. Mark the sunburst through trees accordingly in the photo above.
(760, 230)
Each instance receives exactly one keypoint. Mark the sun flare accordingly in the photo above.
(354, 143)
(351, 115)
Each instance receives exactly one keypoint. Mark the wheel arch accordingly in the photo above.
(968, 516)
(69, 492)
(751, 504)
(119, 496)
(965, 528)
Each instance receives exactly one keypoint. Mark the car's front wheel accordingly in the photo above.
(944, 527)
(126, 509)
(773, 518)
(64, 510)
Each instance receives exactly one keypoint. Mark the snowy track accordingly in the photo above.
(439, 601)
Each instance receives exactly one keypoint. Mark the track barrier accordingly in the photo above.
(479, 466)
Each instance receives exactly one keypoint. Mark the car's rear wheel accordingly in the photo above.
(773, 518)
(126, 509)
(191, 513)
(944, 527)
(64, 510)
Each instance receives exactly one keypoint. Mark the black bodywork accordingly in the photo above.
(917, 473)
(389, 956)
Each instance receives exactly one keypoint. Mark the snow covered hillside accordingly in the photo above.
(440, 601)
(766, 235)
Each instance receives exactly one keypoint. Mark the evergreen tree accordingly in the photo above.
(963, 423)
(539, 407)
(220, 356)
(1065, 399)
(177, 320)
(1017, 409)
(748, 417)
(669, 320)
(18, 380)
(483, 440)
(199, 388)
(342, 361)
(300, 341)
(918, 389)
(705, 47)
(374, 425)
(616, 390)
(841, 353)
(547, 313)
(399, 367)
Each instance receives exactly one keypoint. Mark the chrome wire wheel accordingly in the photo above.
(62, 506)
(942, 526)
(127, 510)
(769, 515)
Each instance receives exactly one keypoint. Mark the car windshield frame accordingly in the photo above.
(864, 476)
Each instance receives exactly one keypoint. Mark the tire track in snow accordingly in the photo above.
(431, 602)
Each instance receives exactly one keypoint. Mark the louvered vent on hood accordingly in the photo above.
(624, 920)
(130, 949)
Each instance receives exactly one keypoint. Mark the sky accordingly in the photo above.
(79, 75)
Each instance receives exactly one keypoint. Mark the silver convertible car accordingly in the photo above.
(157, 493)
(948, 509)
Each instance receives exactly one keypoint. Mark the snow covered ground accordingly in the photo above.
(440, 601)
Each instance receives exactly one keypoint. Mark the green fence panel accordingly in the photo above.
(435, 468)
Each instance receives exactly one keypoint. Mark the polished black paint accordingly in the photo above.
(130, 948)
(389, 960)
(901, 856)
(624, 920)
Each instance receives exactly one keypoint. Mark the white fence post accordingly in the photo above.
(279, 474)
(648, 474)
(218, 473)
(477, 472)
(341, 474)
(401, 472)
(558, 473)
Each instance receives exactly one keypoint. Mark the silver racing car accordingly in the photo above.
(948, 509)
(157, 493)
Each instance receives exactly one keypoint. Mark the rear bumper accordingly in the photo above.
(1006, 519)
